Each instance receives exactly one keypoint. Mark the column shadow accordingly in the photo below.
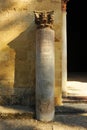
(24, 80)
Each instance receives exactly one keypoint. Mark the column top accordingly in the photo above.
(64, 5)
(44, 19)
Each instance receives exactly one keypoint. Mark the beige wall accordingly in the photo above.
(17, 49)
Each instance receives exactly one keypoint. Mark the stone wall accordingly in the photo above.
(17, 50)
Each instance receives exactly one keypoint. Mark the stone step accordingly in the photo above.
(75, 99)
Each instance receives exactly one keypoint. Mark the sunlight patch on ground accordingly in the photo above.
(76, 88)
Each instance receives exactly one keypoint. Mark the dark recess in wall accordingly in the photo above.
(76, 36)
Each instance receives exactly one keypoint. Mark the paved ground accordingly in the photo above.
(70, 116)
(77, 84)
(61, 122)
(67, 117)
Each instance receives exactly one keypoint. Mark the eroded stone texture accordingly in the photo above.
(44, 19)
(45, 74)
(17, 46)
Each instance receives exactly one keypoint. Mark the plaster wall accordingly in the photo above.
(17, 49)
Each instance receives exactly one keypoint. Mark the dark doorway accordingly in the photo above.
(76, 52)
(76, 36)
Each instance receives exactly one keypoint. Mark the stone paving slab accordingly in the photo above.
(67, 108)
(23, 118)
(27, 112)
(12, 112)
(77, 84)
(61, 122)
(15, 109)
(77, 88)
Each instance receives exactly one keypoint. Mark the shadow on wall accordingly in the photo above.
(7, 4)
(24, 82)
(13, 4)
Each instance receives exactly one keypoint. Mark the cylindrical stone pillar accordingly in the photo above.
(64, 48)
(64, 56)
(45, 74)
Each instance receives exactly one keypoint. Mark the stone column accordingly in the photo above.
(45, 72)
(64, 49)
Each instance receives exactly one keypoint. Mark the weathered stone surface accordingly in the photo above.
(45, 74)
(17, 43)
